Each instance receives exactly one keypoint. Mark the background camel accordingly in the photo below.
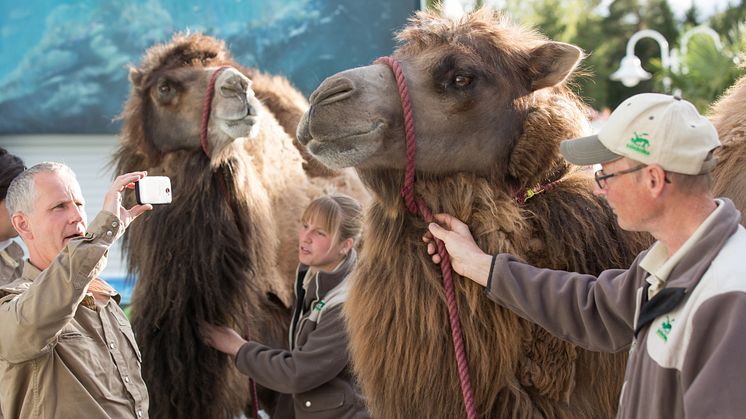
(730, 121)
(490, 107)
(225, 250)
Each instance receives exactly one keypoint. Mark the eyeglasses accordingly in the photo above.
(601, 176)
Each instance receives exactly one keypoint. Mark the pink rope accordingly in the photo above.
(207, 108)
(417, 206)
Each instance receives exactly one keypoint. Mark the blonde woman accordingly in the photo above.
(313, 376)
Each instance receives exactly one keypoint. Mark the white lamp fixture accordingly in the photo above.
(630, 71)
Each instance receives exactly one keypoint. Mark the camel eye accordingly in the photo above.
(462, 81)
(166, 91)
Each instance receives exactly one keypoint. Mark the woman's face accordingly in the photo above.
(316, 247)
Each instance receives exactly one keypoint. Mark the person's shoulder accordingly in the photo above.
(15, 251)
(728, 268)
(15, 287)
(733, 249)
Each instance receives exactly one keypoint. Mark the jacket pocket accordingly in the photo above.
(126, 328)
(320, 400)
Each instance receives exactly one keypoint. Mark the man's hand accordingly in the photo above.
(467, 259)
(222, 338)
(113, 199)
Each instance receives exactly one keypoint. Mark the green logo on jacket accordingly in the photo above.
(319, 305)
(665, 329)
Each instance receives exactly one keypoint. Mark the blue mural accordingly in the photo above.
(64, 65)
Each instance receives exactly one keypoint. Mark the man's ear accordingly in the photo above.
(656, 179)
(22, 225)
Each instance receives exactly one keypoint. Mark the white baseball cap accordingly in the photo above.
(651, 128)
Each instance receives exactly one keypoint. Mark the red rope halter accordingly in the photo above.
(207, 109)
(418, 207)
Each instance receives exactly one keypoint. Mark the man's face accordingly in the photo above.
(625, 195)
(58, 215)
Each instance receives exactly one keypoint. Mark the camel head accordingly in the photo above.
(165, 109)
(472, 83)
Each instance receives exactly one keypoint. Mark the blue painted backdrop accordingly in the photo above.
(64, 62)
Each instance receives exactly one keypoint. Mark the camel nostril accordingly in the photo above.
(332, 91)
(229, 90)
(234, 86)
(302, 133)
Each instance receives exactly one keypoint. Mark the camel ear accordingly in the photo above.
(135, 76)
(552, 62)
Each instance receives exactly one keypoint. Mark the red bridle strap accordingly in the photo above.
(417, 206)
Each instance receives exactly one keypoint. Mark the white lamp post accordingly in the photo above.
(630, 71)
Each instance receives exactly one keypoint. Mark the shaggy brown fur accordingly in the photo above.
(288, 105)
(730, 121)
(224, 250)
(508, 130)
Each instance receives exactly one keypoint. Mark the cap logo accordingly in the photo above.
(639, 144)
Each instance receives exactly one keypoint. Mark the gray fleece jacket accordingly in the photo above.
(685, 338)
(314, 376)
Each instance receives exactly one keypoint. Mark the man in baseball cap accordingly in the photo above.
(666, 140)
(679, 308)
(651, 128)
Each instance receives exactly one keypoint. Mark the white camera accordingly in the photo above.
(153, 190)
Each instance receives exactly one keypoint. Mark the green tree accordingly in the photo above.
(707, 72)
(730, 18)
(603, 32)
(691, 16)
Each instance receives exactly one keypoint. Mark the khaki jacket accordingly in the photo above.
(11, 263)
(64, 354)
(11, 267)
(314, 376)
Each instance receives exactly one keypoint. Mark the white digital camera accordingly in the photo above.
(153, 190)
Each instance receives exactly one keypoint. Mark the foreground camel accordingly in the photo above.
(730, 121)
(224, 251)
(490, 107)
